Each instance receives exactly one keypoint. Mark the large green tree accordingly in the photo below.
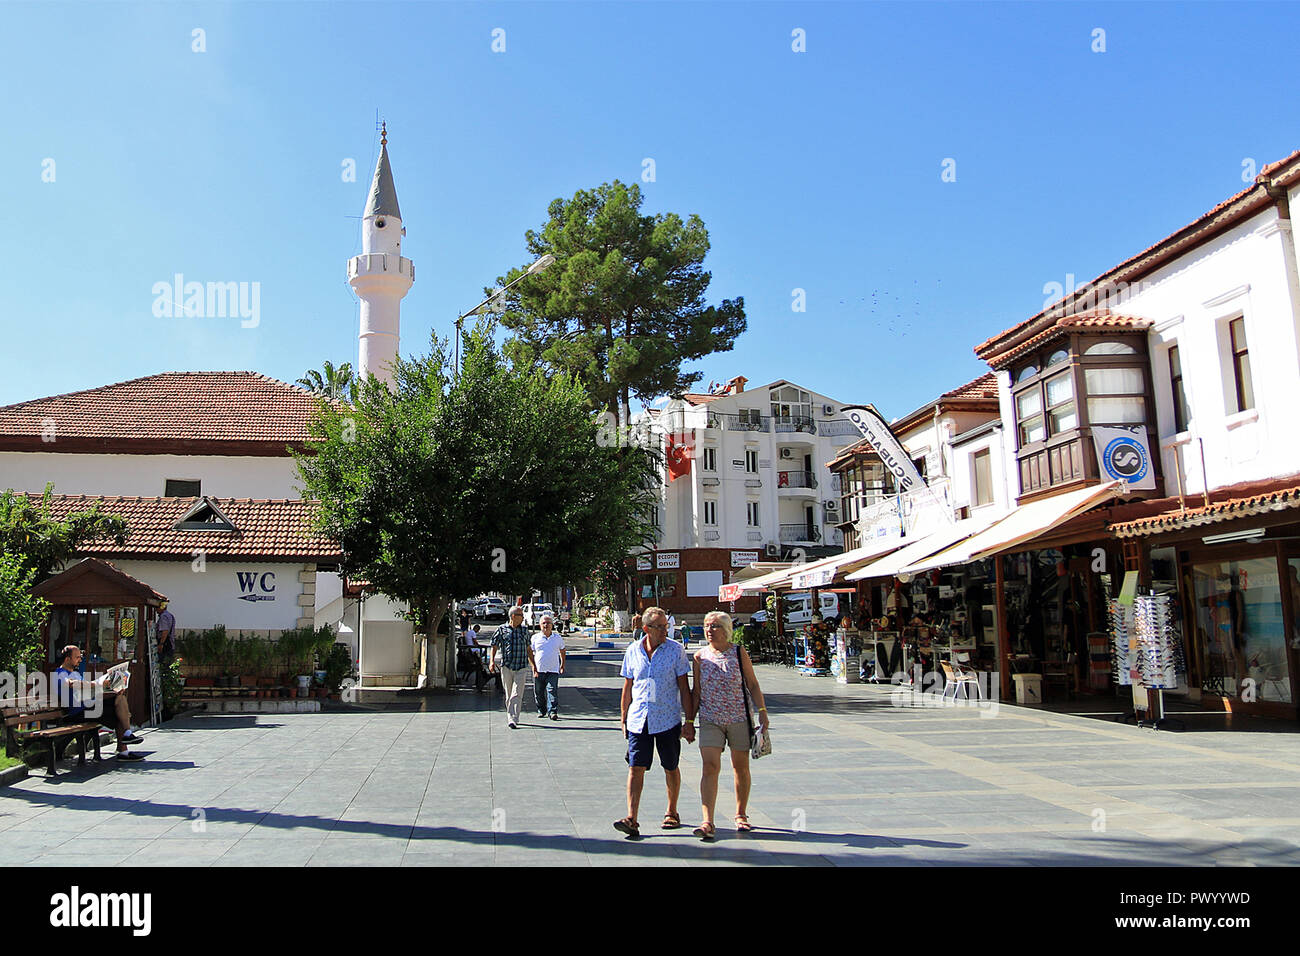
(44, 543)
(441, 487)
(21, 617)
(624, 304)
(33, 546)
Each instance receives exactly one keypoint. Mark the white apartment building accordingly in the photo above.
(758, 488)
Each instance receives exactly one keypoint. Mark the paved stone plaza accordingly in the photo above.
(854, 780)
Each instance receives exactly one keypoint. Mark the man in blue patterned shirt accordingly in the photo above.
(655, 689)
(513, 643)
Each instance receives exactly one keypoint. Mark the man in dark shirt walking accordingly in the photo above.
(510, 646)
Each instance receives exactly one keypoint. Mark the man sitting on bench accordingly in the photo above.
(72, 691)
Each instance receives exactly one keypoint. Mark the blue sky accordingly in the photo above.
(818, 170)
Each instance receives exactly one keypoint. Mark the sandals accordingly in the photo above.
(706, 832)
(743, 824)
(671, 822)
(629, 826)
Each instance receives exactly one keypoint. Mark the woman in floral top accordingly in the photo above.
(720, 666)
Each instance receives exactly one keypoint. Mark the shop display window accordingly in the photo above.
(1239, 623)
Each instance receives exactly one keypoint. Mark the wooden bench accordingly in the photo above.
(30, 720)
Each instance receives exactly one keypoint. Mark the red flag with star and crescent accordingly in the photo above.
(679, 451)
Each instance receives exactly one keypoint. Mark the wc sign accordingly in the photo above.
(256, 587)
(1124, 455)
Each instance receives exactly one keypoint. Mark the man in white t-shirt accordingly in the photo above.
(546, 655)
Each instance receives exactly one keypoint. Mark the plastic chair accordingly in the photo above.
(959, 676)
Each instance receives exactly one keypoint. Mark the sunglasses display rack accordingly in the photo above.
(1159, 650)
(1147, 654)
(1121, 638)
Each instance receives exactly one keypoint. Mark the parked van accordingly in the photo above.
(798, 608)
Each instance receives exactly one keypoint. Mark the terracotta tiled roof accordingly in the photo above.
(979, 394)
(860, 447)
(264, 528)
(1247, 506)
(1283, 173)
(701, 398)
(1096, 319)
(172, 411)
(986, 386)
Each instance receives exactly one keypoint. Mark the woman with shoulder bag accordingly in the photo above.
(723, 675)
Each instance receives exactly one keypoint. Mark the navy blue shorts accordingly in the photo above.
(641, 748)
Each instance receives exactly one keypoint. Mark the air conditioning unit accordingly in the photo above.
(787, 452)
(772, 550)
(831, 504)
(828, 410)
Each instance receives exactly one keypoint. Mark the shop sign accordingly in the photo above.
(729, 592)
(743, 559)
(813, 579)
(667, 560)
(1124, 455)
(643, 562)
(256, 587)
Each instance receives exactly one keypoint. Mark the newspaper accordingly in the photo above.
(118, 677)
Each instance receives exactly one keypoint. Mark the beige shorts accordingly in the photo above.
(719, 735)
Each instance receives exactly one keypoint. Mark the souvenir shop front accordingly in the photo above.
(1025, 594)
(1234, 571)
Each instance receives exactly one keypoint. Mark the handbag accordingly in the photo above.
(760, 743)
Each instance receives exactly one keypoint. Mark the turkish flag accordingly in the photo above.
(679, 451)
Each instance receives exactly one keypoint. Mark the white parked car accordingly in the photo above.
(491, 609)
(533, 614)
(798, 609)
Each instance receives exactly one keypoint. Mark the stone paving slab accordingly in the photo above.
(856, 779)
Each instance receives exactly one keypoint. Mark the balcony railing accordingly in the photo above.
(738, 423)
(795, 423)
(837, 426)
(799, 532)
(796, 479)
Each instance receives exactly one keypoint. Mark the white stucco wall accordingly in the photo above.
(146, 475)
(212, 597)
(1245, 272)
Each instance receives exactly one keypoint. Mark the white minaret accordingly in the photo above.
(380, 275)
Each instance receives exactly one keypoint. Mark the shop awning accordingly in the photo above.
(1020, 527)
(742, 579)
(732, 591)
(936, 540)
(825, 572)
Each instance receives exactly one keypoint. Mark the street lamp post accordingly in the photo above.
(540, 265)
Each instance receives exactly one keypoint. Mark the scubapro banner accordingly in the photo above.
(877, 432)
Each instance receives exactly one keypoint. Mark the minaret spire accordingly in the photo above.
(381, 276)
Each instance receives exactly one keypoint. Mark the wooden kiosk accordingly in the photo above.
(109, 615)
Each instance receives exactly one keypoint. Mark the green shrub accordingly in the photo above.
(171, 687)
(338, 666)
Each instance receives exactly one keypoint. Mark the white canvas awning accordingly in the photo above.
(824, 572)
(1021, 526)
(936, 540)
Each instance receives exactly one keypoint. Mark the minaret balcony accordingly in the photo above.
(378, 263)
